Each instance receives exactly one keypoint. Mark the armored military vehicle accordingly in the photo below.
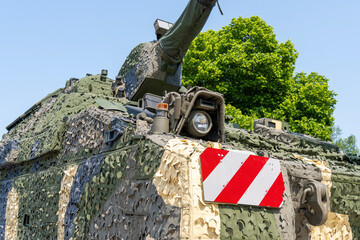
(140, 157)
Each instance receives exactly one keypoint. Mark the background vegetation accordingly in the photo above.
(255, 72)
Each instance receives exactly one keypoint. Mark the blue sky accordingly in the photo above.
(44, 43)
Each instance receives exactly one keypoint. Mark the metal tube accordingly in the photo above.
(177, 40)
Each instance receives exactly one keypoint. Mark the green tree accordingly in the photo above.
(244, 61)
(244, 121)
(347, 145)
(309, 106)
(255, 72)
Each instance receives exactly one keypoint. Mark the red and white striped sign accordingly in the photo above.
(237, 177)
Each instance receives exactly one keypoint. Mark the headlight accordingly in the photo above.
(199, 123)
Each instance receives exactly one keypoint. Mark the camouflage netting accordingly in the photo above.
(86, 131)
(136, 205)
(48, 142)
(8, 150)
(297, 151)
(131, 61)
(64, 198)
(345, 199)
(286, 146)
(5, 188)
(178, 182)
(97, 85)
(85, 171)
(12, 214)
(38, 204)
(42, 131)
(148, 158)
(127, 163)
(61, 177)
(239, 222)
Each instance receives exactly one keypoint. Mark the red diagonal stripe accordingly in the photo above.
(242, 180)
(273, 197)
(210, 158)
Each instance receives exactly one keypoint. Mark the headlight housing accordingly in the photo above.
(199, 123)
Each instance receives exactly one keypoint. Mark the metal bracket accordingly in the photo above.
(112, 135)
(117, 127)
(315, 198)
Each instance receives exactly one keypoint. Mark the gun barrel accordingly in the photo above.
(177, 40)
(156, 66)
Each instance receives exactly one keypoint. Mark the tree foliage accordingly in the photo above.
(244, 121)
(309, 106)
(347, 145)
(255, 72)
(244, 61)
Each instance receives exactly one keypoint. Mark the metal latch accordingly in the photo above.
(117, 127)
(112, 135)
(315, 199)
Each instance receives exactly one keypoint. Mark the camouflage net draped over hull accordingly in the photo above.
(38, 204)
(345, 197)
(59, 179)
(5, 188)
(239, 222)
(41, 132)
(343, 220)
(118, 166)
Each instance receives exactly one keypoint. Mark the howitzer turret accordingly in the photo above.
(154, 67)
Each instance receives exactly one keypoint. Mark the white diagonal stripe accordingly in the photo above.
(223, 173)
(262, 183)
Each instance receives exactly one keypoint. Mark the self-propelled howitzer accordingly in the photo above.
(86, 163)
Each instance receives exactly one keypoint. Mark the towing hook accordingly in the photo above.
(315, 198)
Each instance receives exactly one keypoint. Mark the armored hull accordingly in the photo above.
(64, 175)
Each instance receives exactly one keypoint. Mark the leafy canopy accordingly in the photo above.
(309, 106)
(244, 61)
(347, 145)
(255, 72)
